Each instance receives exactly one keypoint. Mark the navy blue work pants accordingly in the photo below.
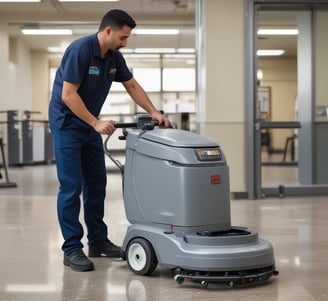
(81, 167)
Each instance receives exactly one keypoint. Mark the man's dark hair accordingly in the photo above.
(117, 18)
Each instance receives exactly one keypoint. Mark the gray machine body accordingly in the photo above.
(176, 189)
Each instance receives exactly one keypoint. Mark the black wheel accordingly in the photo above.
(231, 284)
(178, 279)
(141, 256)
(204, 284)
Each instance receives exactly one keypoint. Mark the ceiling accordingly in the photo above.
(84, 18)
(278, 19)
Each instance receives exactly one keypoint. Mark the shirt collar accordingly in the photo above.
(95, 45)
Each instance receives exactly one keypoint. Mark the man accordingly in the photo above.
(82, 82)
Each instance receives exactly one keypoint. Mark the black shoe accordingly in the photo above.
(105, 249)
(78, 261)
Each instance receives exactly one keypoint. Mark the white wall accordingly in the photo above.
(15, 75)
(15, 78)
(4, 60)
(40, 83)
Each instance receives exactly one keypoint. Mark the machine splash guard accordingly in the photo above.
(229, 278)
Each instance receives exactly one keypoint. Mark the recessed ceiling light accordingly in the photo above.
(153, 31)
(186, 50)
(55, 49)
(267, 32)
(142, 55)
(274, 52)
(126, 50)
(88, 0)
(16, 1)
(47, 31)
(154, 50)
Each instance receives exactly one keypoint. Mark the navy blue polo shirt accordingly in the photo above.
(82, 65)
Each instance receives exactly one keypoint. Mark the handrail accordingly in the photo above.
(279, 124)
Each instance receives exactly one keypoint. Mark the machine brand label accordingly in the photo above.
(215, 179)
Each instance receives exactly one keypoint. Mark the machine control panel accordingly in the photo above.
(209, 154)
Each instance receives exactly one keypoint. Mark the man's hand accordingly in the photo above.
(162, 120)
(106, 127)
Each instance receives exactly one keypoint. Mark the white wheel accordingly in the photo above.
(141, 257)
(137, 257)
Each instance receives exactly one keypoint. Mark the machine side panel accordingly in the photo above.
(164, 192)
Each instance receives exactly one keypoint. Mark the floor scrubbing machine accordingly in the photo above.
(177, 200)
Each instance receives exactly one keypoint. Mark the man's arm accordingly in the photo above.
(141, 98)
(74, 102)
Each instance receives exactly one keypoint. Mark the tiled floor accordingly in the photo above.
(31, 266)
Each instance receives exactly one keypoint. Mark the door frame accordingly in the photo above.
(255, 189)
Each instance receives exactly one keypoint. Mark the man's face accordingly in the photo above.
(117, 38)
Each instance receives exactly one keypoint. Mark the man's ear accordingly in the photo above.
(108, 30)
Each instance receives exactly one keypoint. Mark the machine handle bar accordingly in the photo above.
(147, 125)
(122, 125)
(144, 122)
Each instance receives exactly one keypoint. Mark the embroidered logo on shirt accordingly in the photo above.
(112, 71)
(94, 70)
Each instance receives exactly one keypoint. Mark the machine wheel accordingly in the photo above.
(231, 284)
(204, 284)
(178, 279)
(141, 256)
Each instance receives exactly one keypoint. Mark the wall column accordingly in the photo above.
(220, 80)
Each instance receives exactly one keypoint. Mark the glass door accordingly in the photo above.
(291, 99)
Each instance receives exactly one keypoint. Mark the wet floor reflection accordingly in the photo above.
(31, 267)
